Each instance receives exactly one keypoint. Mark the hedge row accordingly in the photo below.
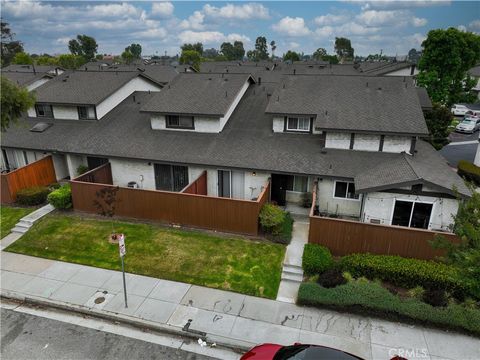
(406, 272)
(469, 171)
(368, 297)
(33, 196)
(316, 259)
(61, 198)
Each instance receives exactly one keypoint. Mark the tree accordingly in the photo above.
(319, 54)
(414, 56)
(192, 58)
(446, 57)
(198, 47)
(261, 50)
(14, 102)
(466, 254)
(438, 120)
(69, 61)
(210, 53)
(233, 52)
(46, 59)
(343, 48)
(128, 57)
(10, 47)
(251, 55)
(273, 46)
(22, 58)
(291, 56)
(135, 50)
(83, 45)
(332, 59)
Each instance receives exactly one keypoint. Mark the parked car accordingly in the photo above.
(469, 125)
(297, 351)
(472, 113)
(459, 109)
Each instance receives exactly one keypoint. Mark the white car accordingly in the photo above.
(469, 125)
(459, 110)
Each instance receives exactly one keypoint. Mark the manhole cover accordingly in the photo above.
(99, 300)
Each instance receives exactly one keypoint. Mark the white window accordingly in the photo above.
(86, 113)
(44, 110)
(298, 124)
(345, 190)
(299, 184)
(180, 122)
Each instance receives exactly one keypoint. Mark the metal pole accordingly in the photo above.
(124, 285)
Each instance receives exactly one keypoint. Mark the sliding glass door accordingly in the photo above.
(412, 214)
(170, 177)
(231, 184)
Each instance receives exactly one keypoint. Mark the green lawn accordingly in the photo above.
(10, 216)
(235, 264)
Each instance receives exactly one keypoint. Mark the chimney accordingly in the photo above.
(412, 69)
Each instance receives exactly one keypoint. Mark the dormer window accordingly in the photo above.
(44, 110)
(86, 113)
(179, 122)
(298, 124)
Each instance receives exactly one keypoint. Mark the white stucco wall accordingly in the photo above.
(202, 124)
(379, 206)
(136, 84)
(65, 112)
(37, 83)
(278, 124)
(366, 142)
(126, 170)
(397, 144)
(60, 164)
(327, 203)
(31, 112)
(73, 162)
(255, 184)
(337, 140)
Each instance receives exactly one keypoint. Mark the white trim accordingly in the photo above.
(344, 198)
(298, 121)
(411, 211)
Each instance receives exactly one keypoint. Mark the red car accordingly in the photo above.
(296, 352)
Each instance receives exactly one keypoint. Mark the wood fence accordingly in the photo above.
(215, 213)
(199, 186)
(345, 237)
(38, 173)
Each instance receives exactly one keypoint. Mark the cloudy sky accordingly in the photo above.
(393, 26)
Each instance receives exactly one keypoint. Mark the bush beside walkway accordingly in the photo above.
(240, 265)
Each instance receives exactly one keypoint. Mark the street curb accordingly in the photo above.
(220, 341)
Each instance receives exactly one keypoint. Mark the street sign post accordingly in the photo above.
(123, 251)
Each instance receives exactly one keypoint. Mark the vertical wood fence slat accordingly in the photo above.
(38, 173)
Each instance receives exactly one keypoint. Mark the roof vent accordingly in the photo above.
(40, 127)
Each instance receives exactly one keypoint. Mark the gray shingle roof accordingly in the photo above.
(160, 73)
(427, 167)
(24, 78)
(246, 142)
(371, 104)
(198, 94)
(83, 87)
(425, 101)
(382, 67)
(30, 68)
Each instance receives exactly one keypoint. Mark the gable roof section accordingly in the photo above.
(30, 68)
(425, 167)
(382, 67)
(352, 103)
(198, 94)
(425, 100)
(83, 87)
(24, 78)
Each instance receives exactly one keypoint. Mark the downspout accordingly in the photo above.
(362, 207)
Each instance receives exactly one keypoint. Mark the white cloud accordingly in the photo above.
(162, 9)
(156, 33)
(113, 10)
(474, 26)
(331, 19)
(291, 26)
(194, 21)
(417, 22)
(63, 40)
(462, 28)
(242, 12)
(210, 37)
(396, 4)
(390, 18)
(324, 32)
(293, 45)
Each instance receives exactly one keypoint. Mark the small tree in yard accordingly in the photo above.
(466, 254)
(106, 201)
(15, 100)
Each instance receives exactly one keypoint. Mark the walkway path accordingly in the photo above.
(292, 272)
(225, 317)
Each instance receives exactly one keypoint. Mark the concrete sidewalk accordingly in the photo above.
(225, 317)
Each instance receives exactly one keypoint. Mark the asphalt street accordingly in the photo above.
(454, 152)
(25, 336)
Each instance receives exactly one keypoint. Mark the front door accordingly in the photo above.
(279, 188)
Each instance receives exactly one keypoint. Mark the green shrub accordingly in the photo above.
(61, 198)
(316, 259)
(272, 218)
(331, 278)
(371, 298)
(417, 292)
(33, 196)
(81, 169)
(406, 272)
(469, 171)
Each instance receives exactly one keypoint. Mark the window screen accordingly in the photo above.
(43, 110)
(300, 183)
(170, 177)
(180, 122)
(298, 123)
